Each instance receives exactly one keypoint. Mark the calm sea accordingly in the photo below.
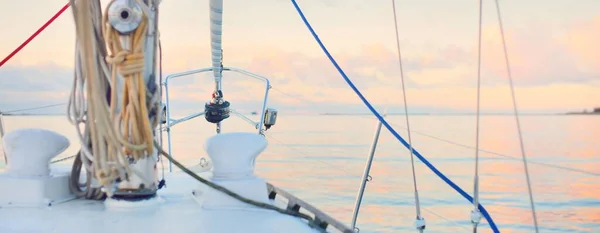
(321, 159)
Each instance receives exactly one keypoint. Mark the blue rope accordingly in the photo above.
(486, 215)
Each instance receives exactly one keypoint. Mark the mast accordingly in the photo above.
(116, 71)
(142, 182)
(216, 32)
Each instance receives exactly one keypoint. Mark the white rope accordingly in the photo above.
(76, 108)
(104, 122)
(475, 213)
(516, 113)
(420, 222)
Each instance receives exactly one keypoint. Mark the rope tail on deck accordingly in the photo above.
(118, 107)
(486, 215)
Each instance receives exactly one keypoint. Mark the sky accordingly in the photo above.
(552, 44)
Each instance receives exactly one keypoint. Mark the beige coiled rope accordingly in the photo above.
(116, 135)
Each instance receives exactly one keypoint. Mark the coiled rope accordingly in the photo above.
(105, 139)
(130, 65)
(387, 125)
(76, 108)
(115, 135)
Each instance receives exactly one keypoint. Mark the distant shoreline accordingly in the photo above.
(458, 114)
(582, 113)
(33, 114)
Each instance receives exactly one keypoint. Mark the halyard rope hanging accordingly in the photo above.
(117, 133)
(129, 64)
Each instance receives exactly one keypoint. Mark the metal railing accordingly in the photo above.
(170, 122)
(2, 136)
(294, 203)
(2, 113)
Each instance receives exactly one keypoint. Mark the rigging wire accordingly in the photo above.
(160, 81)
(286, 145)
(502, 155)
(509, 157)
(33, 108)
(420, 222)
(516, 114)
(387, 125)
(570, 169)
(306, 155)
(580, 171)
(234, 195)
(475, 214)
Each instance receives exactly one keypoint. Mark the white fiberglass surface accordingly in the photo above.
(174, 210)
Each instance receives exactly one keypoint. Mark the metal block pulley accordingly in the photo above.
(125, 15)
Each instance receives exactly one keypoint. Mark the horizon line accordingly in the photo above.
(366, 113)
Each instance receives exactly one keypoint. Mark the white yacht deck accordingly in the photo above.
(177, 208)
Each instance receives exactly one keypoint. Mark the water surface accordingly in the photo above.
(321, 159)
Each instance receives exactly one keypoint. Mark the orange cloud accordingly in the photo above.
(438, 78)
(552, 70)
(540, 55)
(582, 42)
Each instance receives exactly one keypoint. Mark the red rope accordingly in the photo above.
(34, 34)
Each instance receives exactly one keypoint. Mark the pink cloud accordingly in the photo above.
(441, 77)
(582, 41)
(540, 54)
(553, 69)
